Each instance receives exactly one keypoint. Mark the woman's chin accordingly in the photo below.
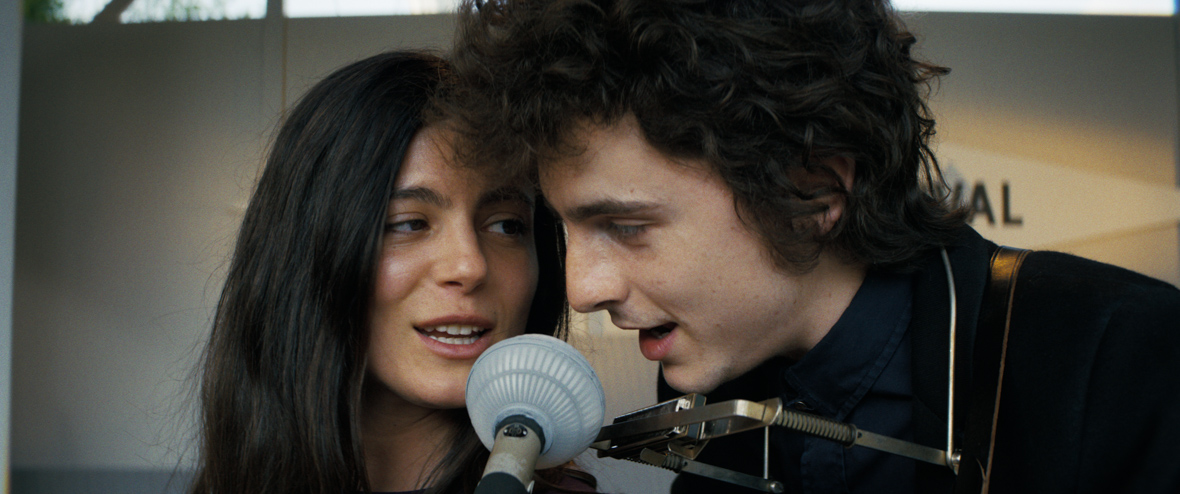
(441, 399)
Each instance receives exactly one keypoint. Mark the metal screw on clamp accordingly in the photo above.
(516, 430)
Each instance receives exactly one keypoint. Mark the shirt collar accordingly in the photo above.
(833, 376)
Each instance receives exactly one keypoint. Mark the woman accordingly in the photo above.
(368, 274)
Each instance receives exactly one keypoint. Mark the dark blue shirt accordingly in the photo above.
(860, 374)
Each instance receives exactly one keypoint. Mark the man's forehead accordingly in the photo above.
(619, 162)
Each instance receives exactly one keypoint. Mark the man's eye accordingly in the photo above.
(625, 231)
(508, 227)
(408, 226)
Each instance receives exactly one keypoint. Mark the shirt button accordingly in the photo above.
(801, 406)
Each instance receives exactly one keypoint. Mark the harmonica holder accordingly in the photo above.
(671, 434)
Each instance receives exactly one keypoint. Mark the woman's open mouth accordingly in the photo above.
(454, 334)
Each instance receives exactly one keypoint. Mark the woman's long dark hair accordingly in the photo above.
(282, 375)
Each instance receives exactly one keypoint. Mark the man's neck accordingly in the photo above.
(834, 282)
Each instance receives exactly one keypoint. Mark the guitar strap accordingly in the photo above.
(991, 348)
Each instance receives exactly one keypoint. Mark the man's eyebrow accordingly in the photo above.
(505, 194)
(608, 207)
(427, 195)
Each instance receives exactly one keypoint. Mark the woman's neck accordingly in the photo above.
(403, 442)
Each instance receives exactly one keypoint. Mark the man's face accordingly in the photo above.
(658, 243)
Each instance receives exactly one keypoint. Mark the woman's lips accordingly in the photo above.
(454, 334)
(457, 337)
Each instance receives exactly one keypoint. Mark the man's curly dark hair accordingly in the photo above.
(753, 88)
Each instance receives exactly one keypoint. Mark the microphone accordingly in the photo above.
(536, 403)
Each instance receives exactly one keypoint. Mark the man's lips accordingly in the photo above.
(655, 343)
(660, 331)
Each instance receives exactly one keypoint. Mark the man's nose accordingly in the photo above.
(593, 280)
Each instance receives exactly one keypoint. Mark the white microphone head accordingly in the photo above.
(544, 379)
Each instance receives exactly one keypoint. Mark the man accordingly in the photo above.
(749, 185)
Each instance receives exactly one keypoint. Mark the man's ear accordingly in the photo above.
(845, 168)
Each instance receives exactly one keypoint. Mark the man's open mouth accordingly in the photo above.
(659, 332)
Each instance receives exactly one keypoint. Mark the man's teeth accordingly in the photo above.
(455, 334)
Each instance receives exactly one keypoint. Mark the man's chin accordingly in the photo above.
(687, 379)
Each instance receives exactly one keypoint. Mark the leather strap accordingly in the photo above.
(991, 348)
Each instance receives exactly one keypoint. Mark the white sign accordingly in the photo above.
(1024, 203)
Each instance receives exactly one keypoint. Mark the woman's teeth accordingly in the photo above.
(455, 335)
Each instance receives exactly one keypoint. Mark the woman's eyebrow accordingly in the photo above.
(505, 194)
(427, 195)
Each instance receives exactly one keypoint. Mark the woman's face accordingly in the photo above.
(457, 273)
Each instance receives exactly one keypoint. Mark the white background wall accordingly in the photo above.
(139, 145)
(1089, 99)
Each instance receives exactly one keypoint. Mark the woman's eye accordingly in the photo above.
(407, 226)
(512, 227)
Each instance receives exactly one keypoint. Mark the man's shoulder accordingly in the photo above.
(1092, 373)
(1060, 266)
(1046, 267)
(1053, 279)
(1064, 300)
(1088, 313)
(1056, 288)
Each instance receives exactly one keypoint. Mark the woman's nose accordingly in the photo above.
(461, 261)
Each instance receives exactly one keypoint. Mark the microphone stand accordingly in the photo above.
(514, 454)
(670, 435)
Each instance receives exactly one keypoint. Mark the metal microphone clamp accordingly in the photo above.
(670, 435)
